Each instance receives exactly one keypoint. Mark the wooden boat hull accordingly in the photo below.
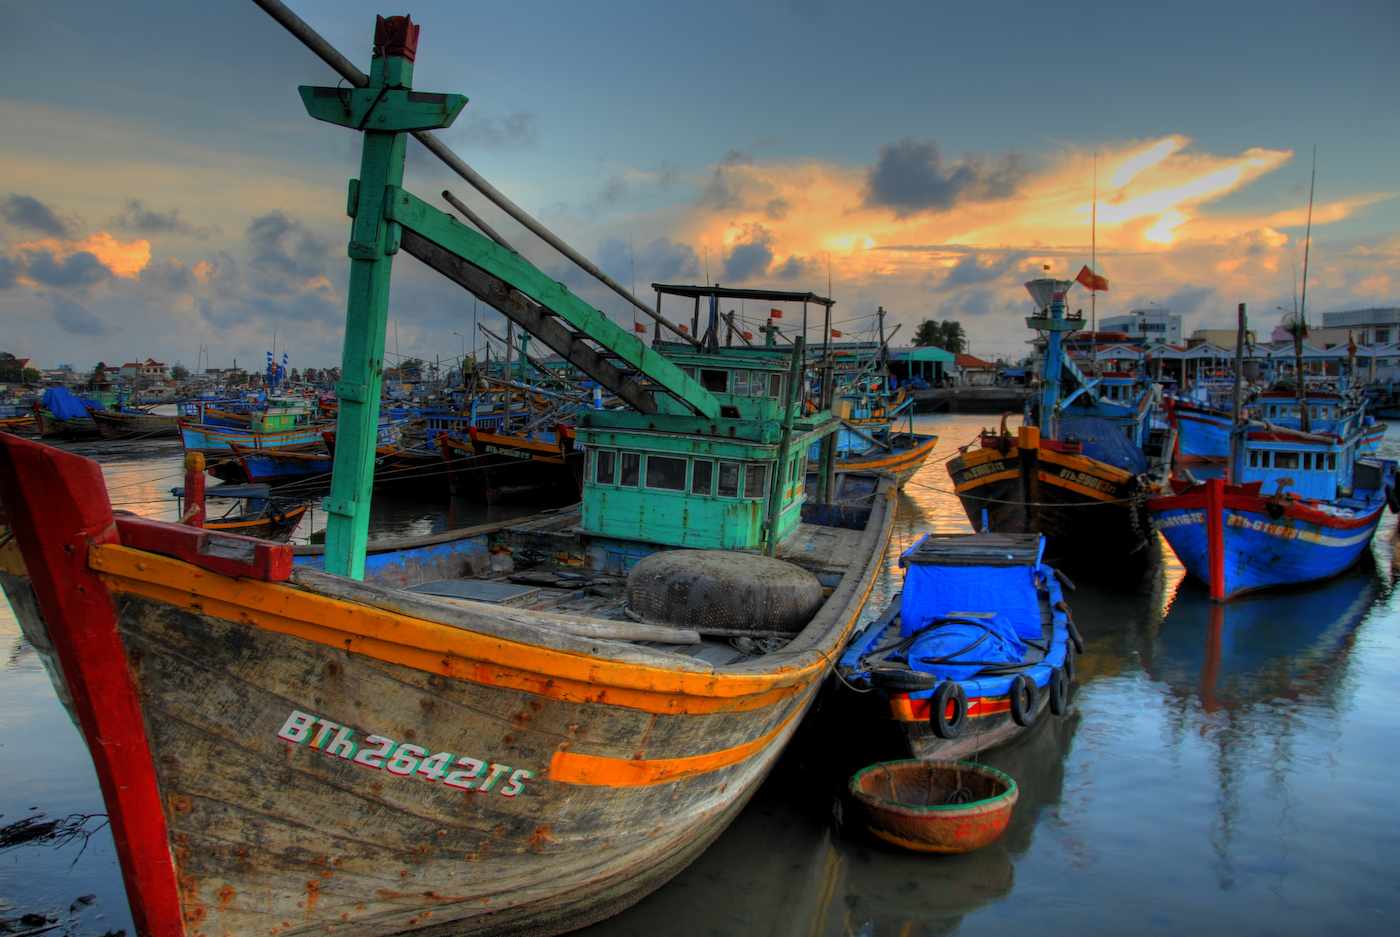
(1371, 439)
(1264, 544)
(272, 467)
(1203, 433)
(909, 455)
(1089, 512)
(268, 524)
(51, 427)
(198, 438)
(135, 425)
(518, 470)
(240, 715)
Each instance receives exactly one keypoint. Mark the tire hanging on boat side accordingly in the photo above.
(1024, 697)
(1059, 691)
(1070, 667)
(948, 692)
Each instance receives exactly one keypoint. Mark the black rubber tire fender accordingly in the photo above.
(903, 681)
(1074, 637)
(1059, 691)
(1024, 697)
(1070, 668)
(949, 694)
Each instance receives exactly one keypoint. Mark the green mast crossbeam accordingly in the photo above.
(384, 111)
(562, 320)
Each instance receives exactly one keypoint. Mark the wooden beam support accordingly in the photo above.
(445, 231)
(508, 301)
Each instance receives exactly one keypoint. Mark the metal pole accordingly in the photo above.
(477, 220)
(1236, 440)
(313, 41)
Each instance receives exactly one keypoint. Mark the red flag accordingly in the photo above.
(1045, 266)
(775, 313)
(1351, 344)
(835, 334)
(638, 326)
(1091, 281)
(685, 329)
(748, 336)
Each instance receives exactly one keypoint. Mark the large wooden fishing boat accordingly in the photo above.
(299, 751)
(122, 425)
(1076, 471)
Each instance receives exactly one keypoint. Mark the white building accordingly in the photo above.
(1147, 325)
(1376, 326)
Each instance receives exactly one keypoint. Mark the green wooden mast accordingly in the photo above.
(385, 111)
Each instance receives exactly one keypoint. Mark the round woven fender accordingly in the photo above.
(723, 591)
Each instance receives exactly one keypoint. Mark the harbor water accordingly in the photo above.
(1222, 770)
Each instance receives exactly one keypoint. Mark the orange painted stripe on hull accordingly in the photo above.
(986, 479)
(905, 709)
(572, 768)
(436, 648)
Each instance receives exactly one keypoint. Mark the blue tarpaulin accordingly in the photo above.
(993, 644)
(945, 591)
(65, 406)
(1105, 442)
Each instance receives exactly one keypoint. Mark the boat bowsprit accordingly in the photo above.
(977, 646)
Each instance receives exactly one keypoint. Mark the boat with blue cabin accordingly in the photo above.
(1301, 506)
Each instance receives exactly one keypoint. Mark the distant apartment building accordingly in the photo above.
(148, 370)
(1375, 326)
(1220, 338)
(1146, 325)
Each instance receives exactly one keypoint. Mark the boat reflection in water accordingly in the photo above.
(1262, 680)
(1270, 648)
(800, 862)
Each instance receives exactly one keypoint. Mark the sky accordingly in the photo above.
(163, 191)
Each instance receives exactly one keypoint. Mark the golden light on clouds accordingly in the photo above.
(125, 259)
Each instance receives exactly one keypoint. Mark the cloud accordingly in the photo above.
(31, 214)
(972, 268)
(912, 177)
(749, 256)
(147, 221)
(76, 319)
(286, 254)
(659, 261)
(516, 131)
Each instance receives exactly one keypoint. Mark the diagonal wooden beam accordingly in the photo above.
(413, 214)
(513, 304)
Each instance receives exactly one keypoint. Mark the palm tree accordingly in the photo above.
(952, 337)
(928, 334)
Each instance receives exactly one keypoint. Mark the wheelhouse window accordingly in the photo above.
(775, 386)
(702, 477)
(631, 469)
(1307, 461)
(1285, 460)
(741, 383)
(605, 466)
(714, 381)
(756, 480)
(1331, 461)
(729, 479)
(665, 473)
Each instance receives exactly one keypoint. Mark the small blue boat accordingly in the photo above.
(271, 467)
(1324, 507)
(977, 646)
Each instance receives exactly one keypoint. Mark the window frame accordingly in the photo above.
(685, 472)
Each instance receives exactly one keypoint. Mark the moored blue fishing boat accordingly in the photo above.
(977, 646)
(1202, 432)
(1326, 504)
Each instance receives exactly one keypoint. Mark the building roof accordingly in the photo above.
(922, 353)
(968, 361)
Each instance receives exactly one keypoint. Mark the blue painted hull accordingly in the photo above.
(1371, 438)
(210, 440)
(1260, 551)
(269, 468)
(1202, 436)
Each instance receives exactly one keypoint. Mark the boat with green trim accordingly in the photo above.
(300, 749)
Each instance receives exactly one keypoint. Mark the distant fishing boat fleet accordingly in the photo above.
(528, 725)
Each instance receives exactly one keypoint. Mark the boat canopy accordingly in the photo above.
(65, 406)
(973, 576)
(1104, 441)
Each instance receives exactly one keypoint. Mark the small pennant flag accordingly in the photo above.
(835, 334)
(685, 329)
(1045, 267)
(775, 313)
(748, 336)
(639, 326)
